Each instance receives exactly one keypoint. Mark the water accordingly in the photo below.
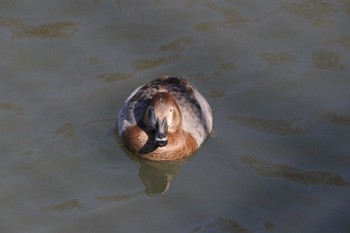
(275, 73)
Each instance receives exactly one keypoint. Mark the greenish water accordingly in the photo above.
(276, 74)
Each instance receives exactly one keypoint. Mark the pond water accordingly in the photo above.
(276, 74)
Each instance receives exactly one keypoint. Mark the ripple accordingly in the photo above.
(221, 225)
(118, 197)
(224, 64)
(335, 118)
(269, 225)
(315, 11)
(216, 93)
(113, 77)
(12, 108)
(208, 26)
(27, 153)
(271, 126)
(343, 40)
(205, 76)
(64, 206)
(11, 22)
(60, 29)
(93, 60)
(63, 29)
(179, 44)
(233, 19)
(278, 58)
(346, 4)
(266, 168)
(68, 131)
(151, 63)
(327, 60)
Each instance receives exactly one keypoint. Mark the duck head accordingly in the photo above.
(163, 116)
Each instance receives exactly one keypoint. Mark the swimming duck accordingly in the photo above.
(166, 119)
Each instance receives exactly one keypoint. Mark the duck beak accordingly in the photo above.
(161, 137)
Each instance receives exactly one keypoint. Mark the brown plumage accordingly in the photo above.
(166, 119)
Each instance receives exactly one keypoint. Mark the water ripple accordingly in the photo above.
(270, 169)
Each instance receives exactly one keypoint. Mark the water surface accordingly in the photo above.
(275, 73)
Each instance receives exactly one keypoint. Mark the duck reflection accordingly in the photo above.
(157, 176)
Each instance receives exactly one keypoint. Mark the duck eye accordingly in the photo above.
(171, 110)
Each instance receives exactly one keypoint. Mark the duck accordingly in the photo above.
(166, 119)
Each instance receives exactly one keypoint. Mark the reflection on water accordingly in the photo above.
(113, 77)
(343, 40)
(68, 131)
(224, 225)
(61, 29)
(93, 60)
(346, 4)
(232, 19)
(271, 126)
(266, 168)
(64, 29)
(179, 44)
(216, 93)
(335, 118)
(205, 76)
(13, 108)
(225, 64)
(269, 225)
(64, 206)
(157, 177)
(316, 11)
(118, 197)
(278, 58)
(151, 63)
(27, 153)
(327, 60)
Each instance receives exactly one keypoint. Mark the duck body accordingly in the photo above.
(166, 119)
